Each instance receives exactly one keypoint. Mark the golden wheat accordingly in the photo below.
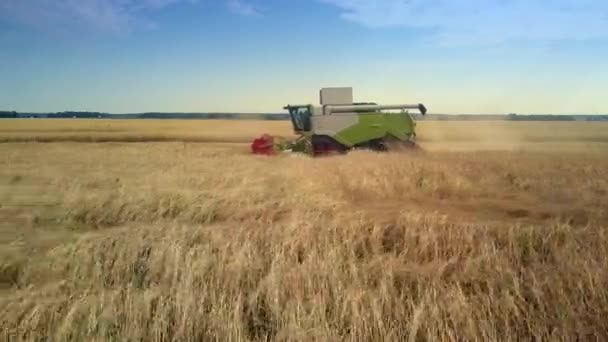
(191, 241)
(587, 137)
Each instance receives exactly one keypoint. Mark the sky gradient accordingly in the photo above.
(468, 56)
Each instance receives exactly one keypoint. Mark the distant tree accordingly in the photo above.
(8, 114)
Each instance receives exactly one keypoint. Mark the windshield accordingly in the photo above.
(300, 117)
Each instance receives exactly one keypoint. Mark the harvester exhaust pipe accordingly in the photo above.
(329, 109)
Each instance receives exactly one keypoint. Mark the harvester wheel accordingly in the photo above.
(391, 144)
(324, 145)
(376, 145)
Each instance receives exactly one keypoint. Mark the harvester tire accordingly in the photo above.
(325, 145)
(391, 144)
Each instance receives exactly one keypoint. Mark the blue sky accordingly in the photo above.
(468, 56)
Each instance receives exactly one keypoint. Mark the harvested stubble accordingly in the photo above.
(188, 242)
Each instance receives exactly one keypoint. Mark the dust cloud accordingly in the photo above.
(487, 136)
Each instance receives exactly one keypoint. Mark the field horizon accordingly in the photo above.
(167, 230)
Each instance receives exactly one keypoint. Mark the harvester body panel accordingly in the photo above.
(352, 129)
(376, 125)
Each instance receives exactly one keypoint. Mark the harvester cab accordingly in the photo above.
(339, 125)
(300, 117)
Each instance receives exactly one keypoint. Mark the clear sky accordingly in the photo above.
(467, 56)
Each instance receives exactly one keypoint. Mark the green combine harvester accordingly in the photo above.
(339, 125)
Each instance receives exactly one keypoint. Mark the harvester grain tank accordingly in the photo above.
(339, 125)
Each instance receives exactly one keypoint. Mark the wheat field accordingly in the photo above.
(162, 230)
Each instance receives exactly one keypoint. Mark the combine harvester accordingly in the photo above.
(338, 125)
